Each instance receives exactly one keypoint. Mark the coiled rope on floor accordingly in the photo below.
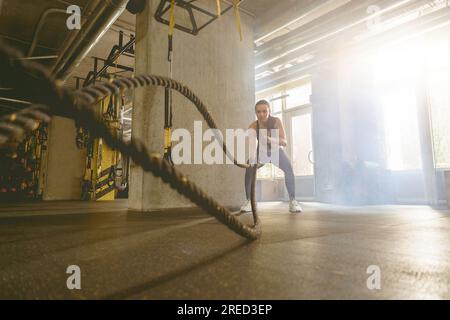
(31, 80)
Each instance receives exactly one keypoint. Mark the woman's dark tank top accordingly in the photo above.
(270, 125)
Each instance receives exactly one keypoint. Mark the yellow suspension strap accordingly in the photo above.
(219, 10)
(238, 17)
(168, 116)
(106, 159)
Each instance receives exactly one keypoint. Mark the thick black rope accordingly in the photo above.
(100, 91)
(34, 81)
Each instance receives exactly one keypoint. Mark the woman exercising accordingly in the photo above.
(267, 122)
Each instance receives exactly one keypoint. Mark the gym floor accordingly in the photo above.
(322, 253)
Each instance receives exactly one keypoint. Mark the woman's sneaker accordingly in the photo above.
(247, 206)
(294, 206)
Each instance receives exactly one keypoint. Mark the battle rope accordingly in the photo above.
(34, 81)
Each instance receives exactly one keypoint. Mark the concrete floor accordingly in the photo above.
(322, 253)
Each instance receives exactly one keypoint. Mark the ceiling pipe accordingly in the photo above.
(103, 15)
(68, 42)
(38, 29)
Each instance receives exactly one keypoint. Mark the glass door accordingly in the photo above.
(300, 150)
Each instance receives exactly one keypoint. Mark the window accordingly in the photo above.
(269, 172)
(439, 97)
(276, 104)
(395, 76)
(401, 129)
(302, 145)
(298, 96)
(265, 173)
(438, 63)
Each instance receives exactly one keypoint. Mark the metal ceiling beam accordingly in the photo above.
(307, 41)
(99, 21)
(424, 24)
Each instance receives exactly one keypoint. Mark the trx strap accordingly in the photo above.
(168, 116)
(219, 10)
(270, 125)
(238, 17)
(257, 137)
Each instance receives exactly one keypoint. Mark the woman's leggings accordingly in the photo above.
(289, 180)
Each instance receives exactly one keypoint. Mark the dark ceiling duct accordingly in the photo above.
(104, 14)
(136, 6)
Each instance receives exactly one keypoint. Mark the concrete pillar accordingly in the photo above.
(65, 163)
(219, 68)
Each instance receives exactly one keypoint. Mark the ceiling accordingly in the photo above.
(19, 21)
(260, 7)
(289, 33)
(270, 14)
(344, 27)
